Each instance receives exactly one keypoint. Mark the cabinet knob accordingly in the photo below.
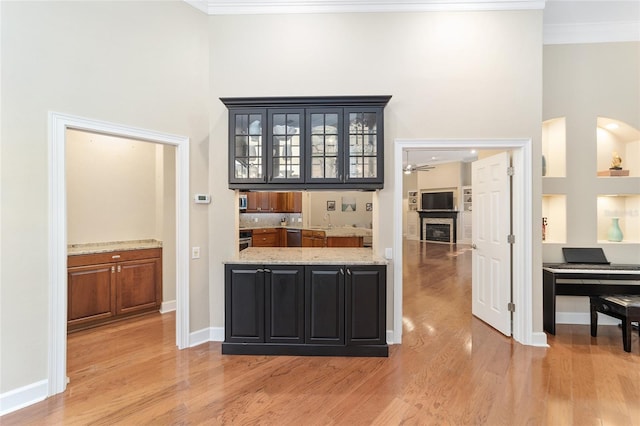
(113, 269)
(119, 268)
(341, 271)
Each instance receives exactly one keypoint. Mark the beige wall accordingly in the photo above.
(113, 190)
(163, 65)
(318, 209)
(142, 64)
(451, 75)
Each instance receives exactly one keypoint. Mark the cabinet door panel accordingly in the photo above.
(366, 305)
(138, 285)
(324, 305)
(286, 128)
(244, 304)
(91, 293)
(247, 138)
(284, 307)
(325, 145)
(364, 133)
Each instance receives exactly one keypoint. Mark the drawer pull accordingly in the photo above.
(115, 256)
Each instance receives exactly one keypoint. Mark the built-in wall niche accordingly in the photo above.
(617, 141)
(554, 219)
(554, 136)
(621, 211)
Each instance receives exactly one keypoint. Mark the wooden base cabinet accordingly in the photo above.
(105, 287)
(305, 310)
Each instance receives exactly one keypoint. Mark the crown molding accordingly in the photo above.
(598, 32)
(247, 7)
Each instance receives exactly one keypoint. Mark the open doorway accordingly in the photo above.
(522, 226)
(58, 126)
(120, 197)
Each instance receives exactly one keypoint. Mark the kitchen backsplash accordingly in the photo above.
(269, 219)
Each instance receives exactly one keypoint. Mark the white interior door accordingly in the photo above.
(491, 276)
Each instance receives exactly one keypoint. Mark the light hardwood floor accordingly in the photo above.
(451, 369)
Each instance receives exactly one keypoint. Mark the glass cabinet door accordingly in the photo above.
(247, 138)
(364, 135)
(324, 133)
(285, 145)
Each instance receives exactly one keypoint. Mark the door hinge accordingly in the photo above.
(510, 171)
(511, 307)
(511, 239)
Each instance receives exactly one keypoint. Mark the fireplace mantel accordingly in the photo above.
(439, 214)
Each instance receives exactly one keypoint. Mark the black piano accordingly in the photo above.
(586, 272)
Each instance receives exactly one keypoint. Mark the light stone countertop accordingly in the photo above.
(93, 248)
(308, 256)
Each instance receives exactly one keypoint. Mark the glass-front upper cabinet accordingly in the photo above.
(286, 149)
(326, 142)
(364, 130)
(247, 135)
(306, 142)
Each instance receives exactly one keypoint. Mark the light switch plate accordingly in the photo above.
(195, 252)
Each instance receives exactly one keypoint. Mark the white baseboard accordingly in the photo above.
(216, 334)
(199, 337)
(539, 339)
(583, 318)
(23, 397)
(211, 334)
(168, 306)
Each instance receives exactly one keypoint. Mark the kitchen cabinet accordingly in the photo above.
(273, 202)
(306, 142)
(312, 238)
(105, 287)
(264, 304)
(266, 237)
(324, 305)
(366, 305)
(345, 242)
(305, 310)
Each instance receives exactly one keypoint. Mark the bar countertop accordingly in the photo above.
(308, 256)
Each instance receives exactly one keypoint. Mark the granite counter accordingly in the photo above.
(307, 256)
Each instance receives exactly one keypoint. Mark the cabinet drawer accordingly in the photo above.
(266, 240)
(112, 256)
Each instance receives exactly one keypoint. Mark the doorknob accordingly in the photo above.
(473, 246)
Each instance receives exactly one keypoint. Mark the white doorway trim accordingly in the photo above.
(58, 124)
(522, 227)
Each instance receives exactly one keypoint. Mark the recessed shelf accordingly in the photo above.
(554, 208)
(617, 139)
(625, 209)
(554, 136)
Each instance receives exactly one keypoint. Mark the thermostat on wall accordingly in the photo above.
(202, 198)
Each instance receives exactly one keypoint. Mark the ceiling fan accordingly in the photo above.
(408, 169)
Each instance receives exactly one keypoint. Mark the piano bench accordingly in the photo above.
(623, 307)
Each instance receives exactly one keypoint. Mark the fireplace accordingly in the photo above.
(438, 226)
(440, 230)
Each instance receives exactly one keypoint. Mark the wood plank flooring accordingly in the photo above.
(451, 369)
